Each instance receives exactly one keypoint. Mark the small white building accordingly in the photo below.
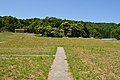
(19, 30)
(108, 39)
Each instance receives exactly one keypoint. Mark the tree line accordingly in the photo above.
(56, 27)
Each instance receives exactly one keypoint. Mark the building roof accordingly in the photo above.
(108, 39)
(19, 29)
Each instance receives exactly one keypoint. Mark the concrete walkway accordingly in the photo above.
(59, 69)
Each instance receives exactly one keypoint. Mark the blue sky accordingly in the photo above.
(86, 10)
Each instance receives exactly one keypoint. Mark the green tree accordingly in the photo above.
(65, 26)
(116, 33)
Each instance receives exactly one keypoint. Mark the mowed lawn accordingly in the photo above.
(88, 59)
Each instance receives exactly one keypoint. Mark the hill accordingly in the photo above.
(55, 27)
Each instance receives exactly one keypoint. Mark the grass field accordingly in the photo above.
(24, 67)
(18, 43)
(94, 60)
(88, 59)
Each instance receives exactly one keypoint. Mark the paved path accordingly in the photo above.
(59, 69)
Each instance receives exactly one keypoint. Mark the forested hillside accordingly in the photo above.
(55, 27)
